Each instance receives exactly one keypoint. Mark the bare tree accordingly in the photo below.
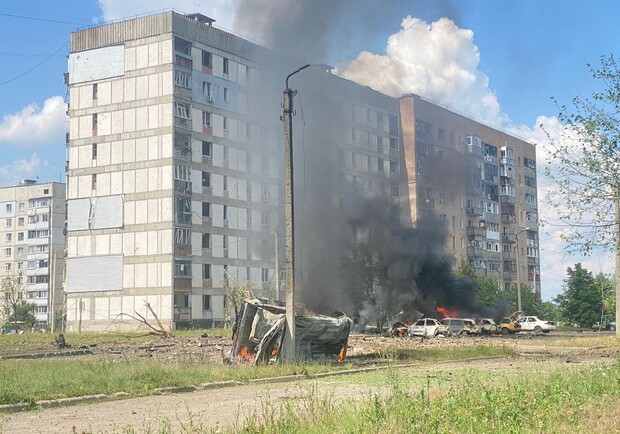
(584, 166)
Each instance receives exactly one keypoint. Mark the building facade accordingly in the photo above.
(175, 173)
(32, 217)
(481, 182)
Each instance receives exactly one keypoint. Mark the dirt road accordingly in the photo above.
(226, 407)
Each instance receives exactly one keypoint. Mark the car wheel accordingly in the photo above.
(537, 329)
(612, 328)
(436, 332)
(462, 333)
(505, 330)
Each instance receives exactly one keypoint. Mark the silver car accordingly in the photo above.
(428, 327)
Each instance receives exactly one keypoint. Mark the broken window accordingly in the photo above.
(206, 209)
(207, 59)
(207, 148)
(182, 236)
(181, 110)
(206, 179)
(182, 172)
(206, 119)
(182, 46)
(264, 274)
(183, 208)
(206, 241)
(182, 78)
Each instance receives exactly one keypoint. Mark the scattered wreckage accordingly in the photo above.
(260, 331)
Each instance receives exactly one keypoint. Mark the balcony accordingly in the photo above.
(475, 252)
(509, 256)
(493, 255)
(510, 275)
(509, 237)
(507, 199)
(183, 124)
(184, 187)
(476, 231)
(509, 218)
(474, 210)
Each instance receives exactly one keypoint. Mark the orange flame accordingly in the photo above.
(342, 353)
(448, 312)
(244, 355)
(274, 351)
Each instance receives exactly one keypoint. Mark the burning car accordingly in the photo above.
(260, 331)
(509, 324)
(428, 327)
(487, 326)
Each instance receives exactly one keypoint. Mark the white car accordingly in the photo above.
(428, 327)
(535, 324)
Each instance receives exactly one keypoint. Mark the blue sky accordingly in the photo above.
(520, 53)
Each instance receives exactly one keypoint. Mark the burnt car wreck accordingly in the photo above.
(260, 332)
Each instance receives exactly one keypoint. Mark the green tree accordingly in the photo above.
(488, 289)
(24, 313)
(12, 295)
(585, 174)
(580, 303)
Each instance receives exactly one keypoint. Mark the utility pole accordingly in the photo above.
(289, 355)
(617, 253)
(277, 297)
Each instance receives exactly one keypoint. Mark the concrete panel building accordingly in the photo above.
(175, 173)
(32, 221)
(481, 182)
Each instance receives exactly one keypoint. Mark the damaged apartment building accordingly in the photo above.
(175, 173)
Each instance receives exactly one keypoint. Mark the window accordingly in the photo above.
(264, 274)
(94, 151)
(380, 144)
(182, 268)
(206, 241)
(441, 135)
(182, 46)
(206, 59)
(7, 252)
(206, 302)
(394, 167)
(20, 251)
(206, 119)
(94, 182)
(182, 236)
(226, 94)
(181, 110)
(8, 237)
(225, 65)
(183, 209)
(264, 218)
(225, 123)
(207, 148)
(206, 179)
(206, 89)
(95, 91)
(206, 209)
(248, 273)
(206, 271)
(20, 265)
(395, 189)
(249, 217)
(393, 144)
(95, 123)
(182, 61)
(9, 223)
(225, 212)
(9, 207)
(225, 148)
(21, 206)
(7, 266)
(380, 164)
(225, 183)
(46, 191)
(182, 172)
(264, 191)
(182, 78)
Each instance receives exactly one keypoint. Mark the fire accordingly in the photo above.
(244, 355)
(448, 312)
(274, 351)
(342, 353)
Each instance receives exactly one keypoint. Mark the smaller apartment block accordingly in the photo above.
(32, 221)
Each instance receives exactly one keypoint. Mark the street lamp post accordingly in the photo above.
(519, 307)
(289, 250)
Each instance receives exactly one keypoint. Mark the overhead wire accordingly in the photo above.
(34, 67)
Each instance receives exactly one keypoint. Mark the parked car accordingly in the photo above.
(428, 327)
(460, 326)
(509, 324)
(535, 324)
(612, 326)
(487, 326)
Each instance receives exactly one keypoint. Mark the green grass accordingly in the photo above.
(34, 380)
(561, 401)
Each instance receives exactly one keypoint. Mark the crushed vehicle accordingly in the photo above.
(428, 327)
(487, 326)
(535, 324)
(260, 331)
(509, 324)
(460, 326)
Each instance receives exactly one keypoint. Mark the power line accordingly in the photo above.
(34, 67)
(24, 17)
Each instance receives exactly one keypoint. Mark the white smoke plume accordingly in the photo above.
(438, 61)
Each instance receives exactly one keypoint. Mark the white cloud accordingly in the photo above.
(220, 10)
(438, 61)
(18, 170)
(36, 125)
